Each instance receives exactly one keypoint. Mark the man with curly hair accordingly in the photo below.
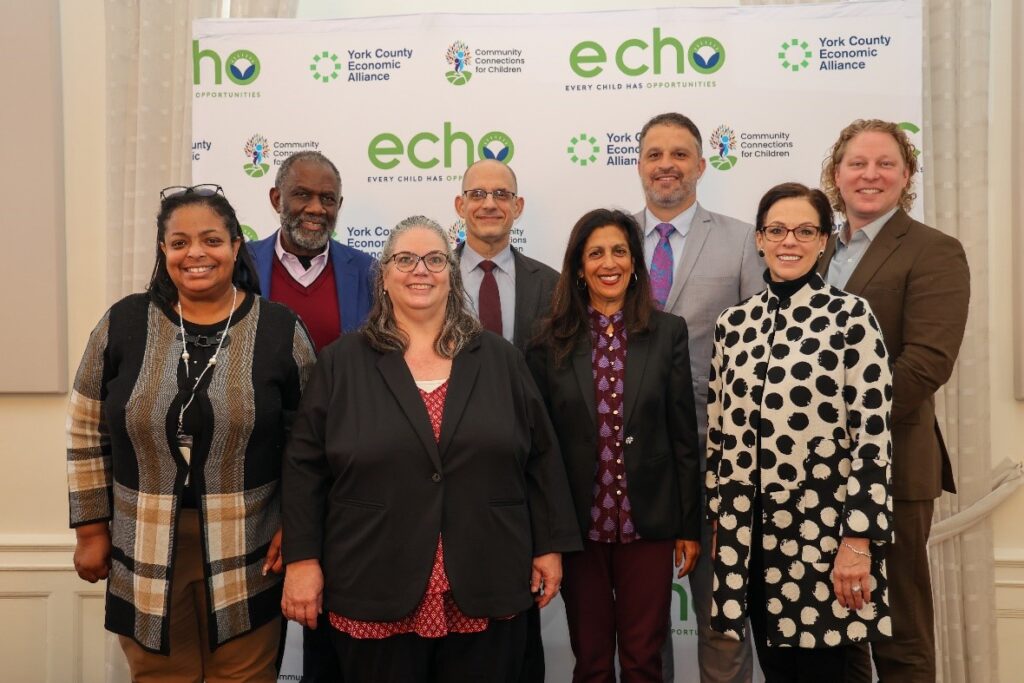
(917, 281)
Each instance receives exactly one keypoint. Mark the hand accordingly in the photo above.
(546, 578)
(852, 570)
(274, 562)
(92, 551)
(303, 596)
(690, 550)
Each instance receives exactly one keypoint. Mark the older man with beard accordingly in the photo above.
(323, 281)
(327, 284)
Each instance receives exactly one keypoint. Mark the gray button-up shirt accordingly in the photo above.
(850, 250)
(504, 275)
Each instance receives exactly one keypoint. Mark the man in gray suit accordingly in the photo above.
(509, 291)
(701, 263)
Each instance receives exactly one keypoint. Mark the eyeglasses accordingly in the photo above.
(479, 195)
(802, 233)
(406, 261)
(205, 190)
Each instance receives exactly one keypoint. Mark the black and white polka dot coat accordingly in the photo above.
(799, 399)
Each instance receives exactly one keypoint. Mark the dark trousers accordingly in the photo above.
(793, 664)
(319, 663)
(491, 656)
(910, 656)
(533, 662)
(618, 592)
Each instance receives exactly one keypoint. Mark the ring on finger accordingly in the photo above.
(856, 589)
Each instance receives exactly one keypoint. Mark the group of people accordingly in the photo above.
(432, 446)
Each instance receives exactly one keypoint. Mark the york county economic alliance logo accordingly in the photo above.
(795, 54)
(459, 57)
(325, 67)
(583, 149)
(723, 144)
(256, 149)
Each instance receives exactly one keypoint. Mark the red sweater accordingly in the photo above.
(316, 305)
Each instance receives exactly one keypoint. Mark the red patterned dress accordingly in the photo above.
(437, 615)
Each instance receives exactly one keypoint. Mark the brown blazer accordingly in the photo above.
(918, 284)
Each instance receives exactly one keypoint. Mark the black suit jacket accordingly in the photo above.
(367, 490)
(659, 428)
(535, 285)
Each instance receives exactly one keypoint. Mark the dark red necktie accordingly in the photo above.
(490, 301)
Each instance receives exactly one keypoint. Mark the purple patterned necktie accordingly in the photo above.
(661, 265)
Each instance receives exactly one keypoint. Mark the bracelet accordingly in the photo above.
(858, 552)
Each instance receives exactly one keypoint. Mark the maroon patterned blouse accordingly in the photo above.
(610, 519)
(437, 615)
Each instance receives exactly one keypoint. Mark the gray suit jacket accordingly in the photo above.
(535, 284)
(720, 268)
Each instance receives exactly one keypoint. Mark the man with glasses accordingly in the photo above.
(509, 292)
(327, 284)
(700, 264)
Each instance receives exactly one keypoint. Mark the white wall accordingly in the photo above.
(51, 626)
(1007, 431)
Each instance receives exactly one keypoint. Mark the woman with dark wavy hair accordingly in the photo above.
(176, 428)
(615, 375)
(426, 505)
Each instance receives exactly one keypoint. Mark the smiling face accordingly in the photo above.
(308, 202)
(199, 252)
(870, 177)
(607, 267)
(419, 293)
(791, 258)
(488, 221)
(670, 166)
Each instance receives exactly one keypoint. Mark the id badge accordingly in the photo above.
(185, 448)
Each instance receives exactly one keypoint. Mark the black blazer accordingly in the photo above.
(367, 490)
(660, 428)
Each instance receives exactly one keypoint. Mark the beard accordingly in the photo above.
(303, 237)
(669, 198)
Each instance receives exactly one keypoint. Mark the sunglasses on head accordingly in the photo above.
(204, 190)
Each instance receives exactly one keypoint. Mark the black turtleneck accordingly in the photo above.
(788, 288)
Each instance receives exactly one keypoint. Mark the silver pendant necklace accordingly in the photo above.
(185, 440)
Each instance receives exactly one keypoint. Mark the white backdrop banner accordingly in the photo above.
(404, 104)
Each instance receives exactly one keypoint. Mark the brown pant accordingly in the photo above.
(910, 656)
(249, 658)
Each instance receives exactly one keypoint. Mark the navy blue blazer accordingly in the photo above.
(353, 277)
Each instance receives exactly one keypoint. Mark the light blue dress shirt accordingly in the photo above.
(677, 240)
(849, 251)
(504, 275)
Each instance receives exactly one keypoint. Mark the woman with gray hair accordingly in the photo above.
(425, 501)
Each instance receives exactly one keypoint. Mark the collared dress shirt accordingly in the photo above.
(677, 240)
(304, 276)
(504, 275)
(610, 517)
(850, 250)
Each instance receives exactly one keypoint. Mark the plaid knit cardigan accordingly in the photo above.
(121, 467)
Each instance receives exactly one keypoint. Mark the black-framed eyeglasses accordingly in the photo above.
(479, 195)
(802, 233)
(405, 261)
(204, 190)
